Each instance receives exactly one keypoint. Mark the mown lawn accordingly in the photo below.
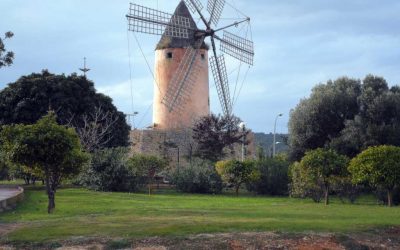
(94, 214)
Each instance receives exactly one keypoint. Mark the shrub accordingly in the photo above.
(198, 177)
(236, 173)
(273, 177)
(108, 171)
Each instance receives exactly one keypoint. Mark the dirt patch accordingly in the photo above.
(6, 228)
(376, 239)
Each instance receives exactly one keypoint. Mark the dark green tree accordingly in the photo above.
(213, 134)
(6, 57)
(75, 101)
(317, 120)
(378, 120)
(45, 146)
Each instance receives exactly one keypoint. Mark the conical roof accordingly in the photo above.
(174, 42)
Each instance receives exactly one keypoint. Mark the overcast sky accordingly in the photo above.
(297, 43)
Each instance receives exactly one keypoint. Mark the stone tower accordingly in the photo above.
(169, 54)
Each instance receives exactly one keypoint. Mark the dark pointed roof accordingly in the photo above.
(174, 42)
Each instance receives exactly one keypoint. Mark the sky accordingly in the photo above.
(298, 44)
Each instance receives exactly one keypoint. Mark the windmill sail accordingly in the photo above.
(215, 8)
(237, 47)
(221, 83)
(150, 21)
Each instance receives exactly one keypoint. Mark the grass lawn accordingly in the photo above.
(94, 214)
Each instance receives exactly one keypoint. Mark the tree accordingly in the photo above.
(6, 57)
(73, 98)
(347, 116)
(321, 117)
(322, 166)
(47, 147)
(146, 165)
(215, 133)
(377, 122)
(236, 172)
(379, 166)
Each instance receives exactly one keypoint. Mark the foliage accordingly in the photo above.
(236, 173)
(383, 197)
(347, 116)
(321, 117)
(108, 171)
(273, 177)
(73, 98)
(198, 177)
(6, 57)
(379, 166)
(45, 147)
(214, 133)
(317, 171)
(345, 189)
(146, 166)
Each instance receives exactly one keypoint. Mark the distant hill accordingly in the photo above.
(266, 141)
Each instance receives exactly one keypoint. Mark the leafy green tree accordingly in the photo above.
(320, 118)
(236, 173)
(146, 165)
(6, 57)
(215, 133)
(322, 167)
(379, 166)
(377, 122)
(75, 102)
(47, 147)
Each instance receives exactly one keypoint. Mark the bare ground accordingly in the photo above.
(376, 239)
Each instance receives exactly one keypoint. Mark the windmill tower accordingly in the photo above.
(181, 59)
(170, 53)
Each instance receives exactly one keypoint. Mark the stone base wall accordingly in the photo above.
(178, 145)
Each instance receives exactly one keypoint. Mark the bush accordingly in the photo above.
(273, 177)
(108, 171)
(198, 177)
(301, 187)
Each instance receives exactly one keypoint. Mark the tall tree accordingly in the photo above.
(321, 117)
(378, 120)
(215, 133)
(379, 166)
(6, 57)
(73, 98)
(47, 147)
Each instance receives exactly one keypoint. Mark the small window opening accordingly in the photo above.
(203, 57)
(169, 55)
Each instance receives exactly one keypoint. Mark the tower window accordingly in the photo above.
(203, 57)
(169, 55)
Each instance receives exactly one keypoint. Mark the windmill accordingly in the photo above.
(182, 28)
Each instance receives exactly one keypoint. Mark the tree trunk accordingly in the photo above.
(237, 190)
(326, 195)
(51, 196)
(390, 198)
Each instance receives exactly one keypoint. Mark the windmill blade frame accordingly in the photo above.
(150, 21)
(194, 5)
(220, 74)
(237, 47)
(215, 8)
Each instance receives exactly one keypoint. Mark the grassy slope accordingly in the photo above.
(85, 213)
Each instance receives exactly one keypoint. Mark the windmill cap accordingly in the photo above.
(167, 42)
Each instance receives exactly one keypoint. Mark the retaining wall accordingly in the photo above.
(14, 194)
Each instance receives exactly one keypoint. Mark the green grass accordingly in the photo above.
(121, 215)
